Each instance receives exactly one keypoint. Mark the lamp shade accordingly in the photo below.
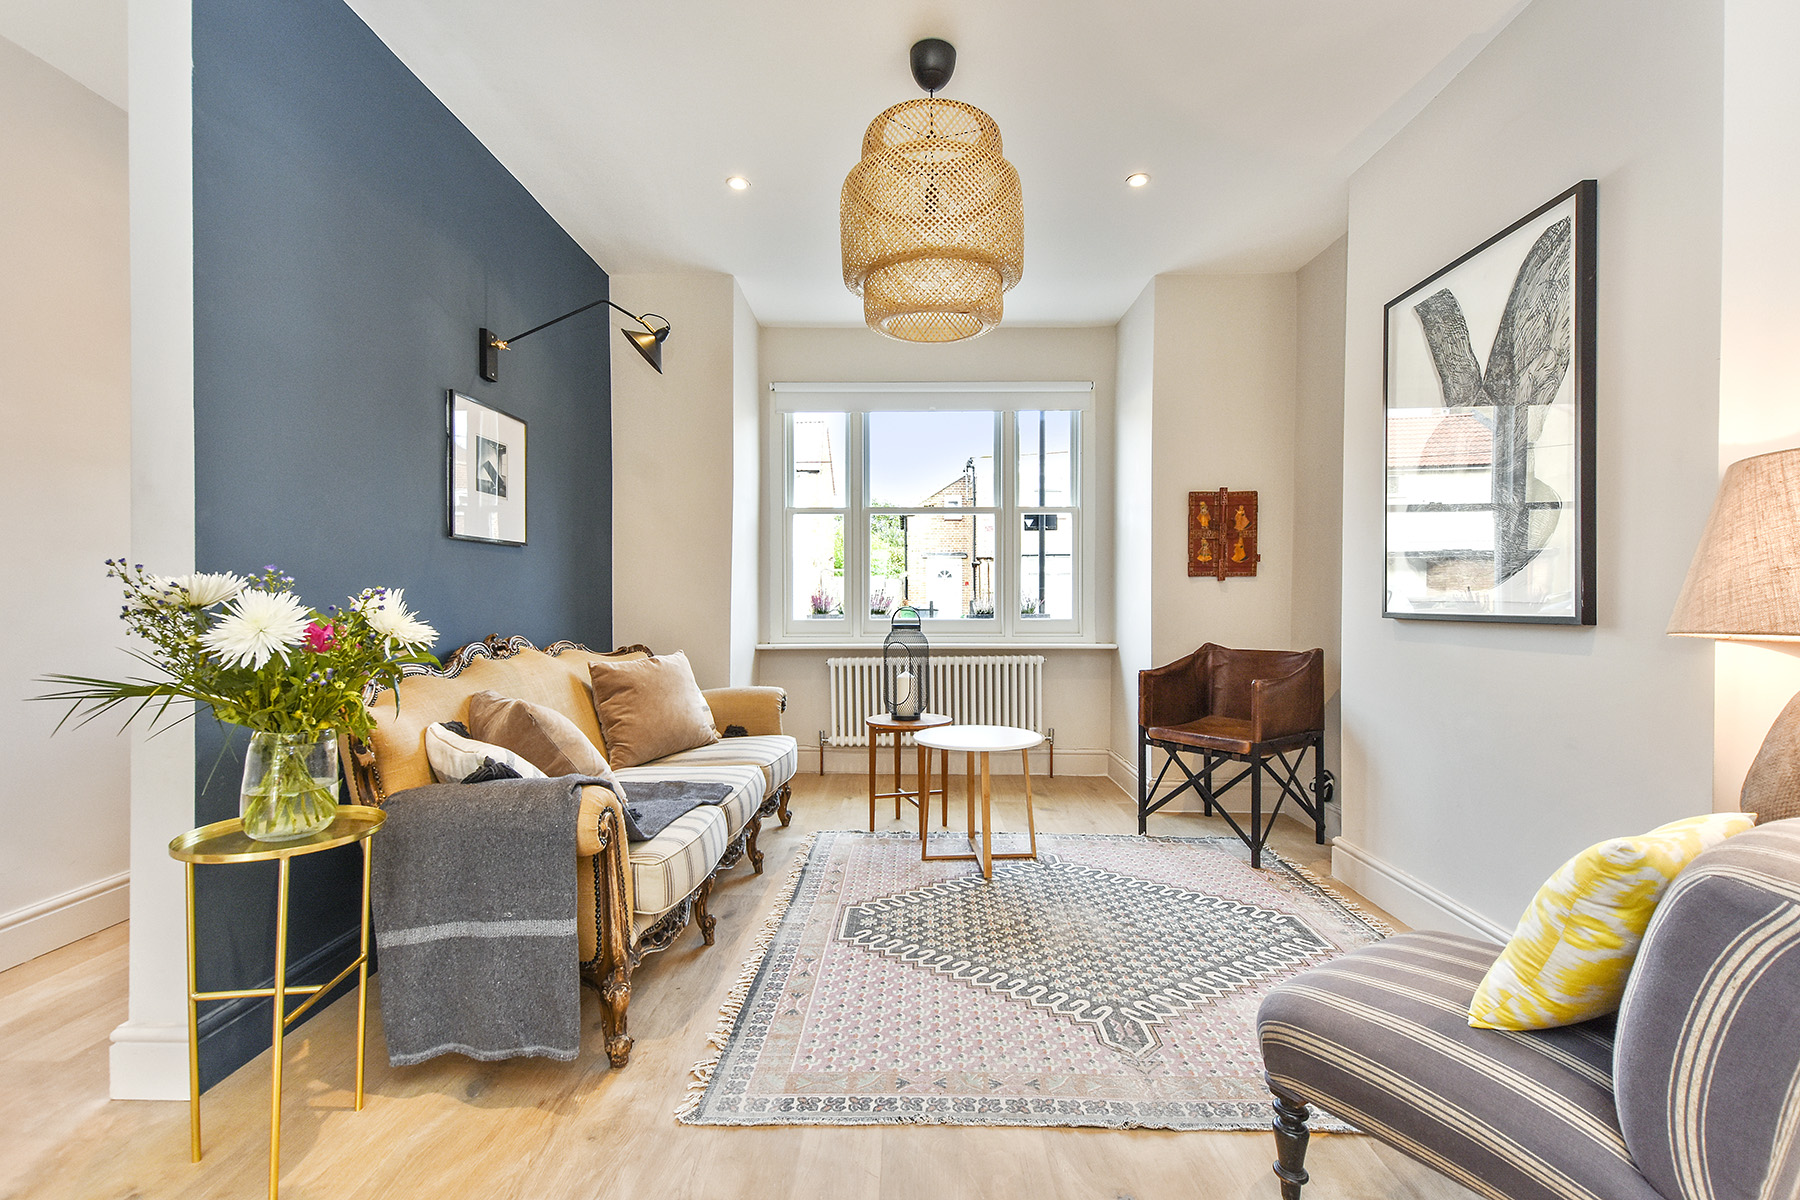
(933, 223)
(1745, 578)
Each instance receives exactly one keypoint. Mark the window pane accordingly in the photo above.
(931, 459)
(818, 546)
(1046, 565)
(941, 565)
(818, 466)
(1046, 464)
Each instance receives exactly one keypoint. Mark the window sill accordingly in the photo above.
(944, 645)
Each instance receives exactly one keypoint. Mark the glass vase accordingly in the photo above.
(290, 785)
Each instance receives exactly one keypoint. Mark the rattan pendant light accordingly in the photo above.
(933, 218)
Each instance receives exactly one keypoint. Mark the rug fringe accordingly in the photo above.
(1378, 925)
(733, 1005)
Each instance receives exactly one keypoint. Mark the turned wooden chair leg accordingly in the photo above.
(1290, 1145)
(782, 809)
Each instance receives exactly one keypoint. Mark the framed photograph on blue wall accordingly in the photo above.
(1488, 379)
(484, 472)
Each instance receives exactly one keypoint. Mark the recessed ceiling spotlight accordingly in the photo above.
(737, 183)
(1136, 179)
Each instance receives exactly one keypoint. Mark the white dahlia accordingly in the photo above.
(255, 627)
(388, 616)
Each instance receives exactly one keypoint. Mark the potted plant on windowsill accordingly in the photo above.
(824, 605)
(248, 648)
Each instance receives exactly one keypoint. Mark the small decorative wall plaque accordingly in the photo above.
(1222, 533)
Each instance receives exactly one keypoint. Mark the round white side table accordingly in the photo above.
(983, 740)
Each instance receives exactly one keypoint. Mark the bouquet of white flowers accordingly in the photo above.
(249, 649)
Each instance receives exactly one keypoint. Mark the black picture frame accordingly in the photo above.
(484, 472)
(1488, 463)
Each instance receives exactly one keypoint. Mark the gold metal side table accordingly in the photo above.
(226, 842)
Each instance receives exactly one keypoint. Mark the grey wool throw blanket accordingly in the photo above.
(474, 897)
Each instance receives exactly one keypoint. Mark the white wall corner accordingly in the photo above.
(149, 1053)
(1409, 898)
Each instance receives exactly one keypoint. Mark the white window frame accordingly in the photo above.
(1005, 400)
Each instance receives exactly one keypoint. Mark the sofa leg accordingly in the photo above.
(787, 793)
(1290, 1145)
(751, 829)
(615, 997)
(704, 919)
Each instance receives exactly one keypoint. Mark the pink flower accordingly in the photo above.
(319, 637)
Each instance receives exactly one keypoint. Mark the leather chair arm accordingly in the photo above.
(757, 709)
(1171, 694)
(1283, 705)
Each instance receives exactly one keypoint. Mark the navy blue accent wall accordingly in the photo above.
(350, 236)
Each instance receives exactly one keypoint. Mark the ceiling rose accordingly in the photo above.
(933, 217)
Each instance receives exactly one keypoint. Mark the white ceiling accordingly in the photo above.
(84, 39)
(624, 119)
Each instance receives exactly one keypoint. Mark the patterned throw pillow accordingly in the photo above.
(1569, 958)
(455, 757)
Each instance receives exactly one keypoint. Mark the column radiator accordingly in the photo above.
(981, 689)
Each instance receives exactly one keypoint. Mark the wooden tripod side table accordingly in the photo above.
(881, 723)
(226, 842)
(983, 740)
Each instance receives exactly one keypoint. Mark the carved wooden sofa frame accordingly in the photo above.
(601, 847)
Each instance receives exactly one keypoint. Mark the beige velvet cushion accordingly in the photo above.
(398, 738)
(541, 736)
(1772, 788)
(650, 707)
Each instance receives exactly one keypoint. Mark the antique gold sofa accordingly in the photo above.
(644, 893)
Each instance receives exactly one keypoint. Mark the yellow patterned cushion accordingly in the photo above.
(1569, 957)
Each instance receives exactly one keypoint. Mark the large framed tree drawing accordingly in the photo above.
(1489, 385)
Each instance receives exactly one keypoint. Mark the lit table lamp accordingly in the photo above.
(1744, 584)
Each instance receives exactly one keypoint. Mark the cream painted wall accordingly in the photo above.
(674, 546)
(1478, 757)
(1133, 430)
(1078, 682)
(1759, 351)
(1211, 363)
(67, 400)
(1226, 379)
(746, 488)
(1318, 532)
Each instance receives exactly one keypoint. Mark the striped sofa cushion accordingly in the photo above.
(677, 860)
(1381, 1038)
(745, 780)
(777, 754)
(1709, 1034)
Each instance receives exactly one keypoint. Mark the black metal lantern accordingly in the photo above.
(905, 666)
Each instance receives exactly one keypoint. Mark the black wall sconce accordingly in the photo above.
(647, 341)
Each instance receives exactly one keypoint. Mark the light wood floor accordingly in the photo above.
(543, 1131)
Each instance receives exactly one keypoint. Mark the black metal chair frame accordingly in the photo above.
(1270, 757)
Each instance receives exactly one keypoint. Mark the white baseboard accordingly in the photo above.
(1407, 897)
(1122, 773)
(149, 1062)
(50, 924)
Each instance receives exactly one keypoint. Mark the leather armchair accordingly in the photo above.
(1251, 706)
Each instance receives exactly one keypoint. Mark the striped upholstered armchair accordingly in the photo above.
(1693, 1093)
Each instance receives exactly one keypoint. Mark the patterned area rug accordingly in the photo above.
(1113, 982)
